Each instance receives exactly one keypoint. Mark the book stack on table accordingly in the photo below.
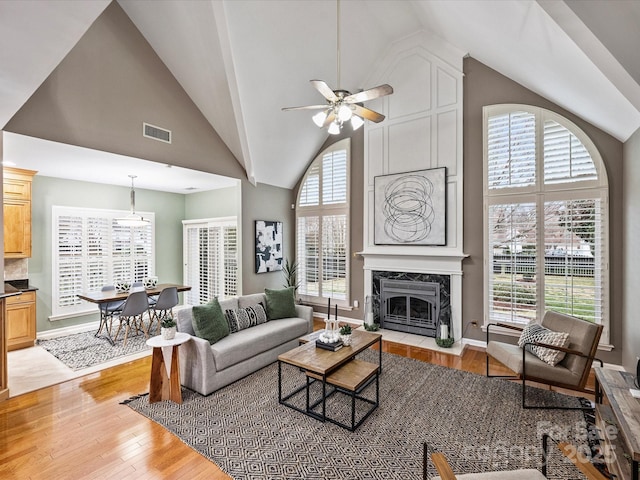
(333, 346)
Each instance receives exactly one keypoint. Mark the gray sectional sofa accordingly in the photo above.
(206, 368)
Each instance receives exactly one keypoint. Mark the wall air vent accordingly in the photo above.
(157, 133)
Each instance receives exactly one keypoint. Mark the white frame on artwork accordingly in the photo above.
(411, 208)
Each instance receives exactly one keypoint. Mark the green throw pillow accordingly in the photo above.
(209, 322)
(280, 303)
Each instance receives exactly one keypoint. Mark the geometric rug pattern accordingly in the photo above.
(477, 422)
(82, 350)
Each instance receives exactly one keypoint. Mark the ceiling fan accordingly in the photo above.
(342, 105)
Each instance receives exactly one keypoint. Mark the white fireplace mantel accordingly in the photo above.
(405, 259)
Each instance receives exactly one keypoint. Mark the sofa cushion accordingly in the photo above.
(251, 300)
(280, 303)
(255, 340)
(534, 332)
(209, 321)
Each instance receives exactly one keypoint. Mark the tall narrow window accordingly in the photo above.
(546, 235)
(91, 250)
(211, 259)
(322, 233)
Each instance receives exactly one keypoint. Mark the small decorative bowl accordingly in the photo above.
(150, 282)
(123, 286)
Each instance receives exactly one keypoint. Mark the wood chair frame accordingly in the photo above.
(581, 387)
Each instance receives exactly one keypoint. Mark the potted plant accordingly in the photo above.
(345, 334)
(168, 328)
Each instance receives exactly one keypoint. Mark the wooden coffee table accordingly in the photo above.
(339, 372)
(618, 418)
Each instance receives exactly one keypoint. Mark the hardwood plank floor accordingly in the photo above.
(79, 430)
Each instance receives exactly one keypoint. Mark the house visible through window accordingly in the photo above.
(211, 259)
(546, 218)
(322, 233)
(91, 250)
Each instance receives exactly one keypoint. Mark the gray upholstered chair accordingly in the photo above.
(163, 307)
(572, 372)
(135, 306)
(108, 311)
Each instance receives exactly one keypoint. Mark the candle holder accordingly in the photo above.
(444, 336)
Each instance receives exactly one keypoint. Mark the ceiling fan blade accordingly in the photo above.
(370, 94)
(368, 114)
(324, 89)
(330, 118)
(306, 107)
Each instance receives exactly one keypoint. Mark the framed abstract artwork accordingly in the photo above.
(410, 208)
(268, 246)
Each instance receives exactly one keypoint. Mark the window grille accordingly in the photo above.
(546, 220)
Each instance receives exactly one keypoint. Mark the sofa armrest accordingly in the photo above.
(197, 364)
(306, 312)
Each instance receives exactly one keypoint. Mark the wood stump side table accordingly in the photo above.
(164, 382)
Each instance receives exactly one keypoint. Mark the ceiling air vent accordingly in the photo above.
(157, 133)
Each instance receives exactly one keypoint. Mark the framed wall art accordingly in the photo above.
(268, 246)
(410, 208)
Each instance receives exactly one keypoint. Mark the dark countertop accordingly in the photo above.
(16, 287)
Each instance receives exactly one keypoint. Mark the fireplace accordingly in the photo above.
(411, 302)
(410, 306)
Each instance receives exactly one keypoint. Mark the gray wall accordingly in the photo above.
(110, 83)
(224, 202)
(631, 319)
(484, 86)
(169, 211)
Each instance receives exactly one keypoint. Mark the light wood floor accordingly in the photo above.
(78, 429)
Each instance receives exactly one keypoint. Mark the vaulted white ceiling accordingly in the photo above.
(241, 61)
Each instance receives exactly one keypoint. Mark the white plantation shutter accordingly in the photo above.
(334, 177)
(565, 157)
(546, 244)
(91, 250)
(573, 239)
(310, 191)
(211, 259)
(334, 256)
(512, 235)
(322, 234)
(308, 254)
(230, 252)
(511, 144)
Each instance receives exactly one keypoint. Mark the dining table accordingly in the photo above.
(112, 296)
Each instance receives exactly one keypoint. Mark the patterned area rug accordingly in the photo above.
(83, 350)
(477, 422)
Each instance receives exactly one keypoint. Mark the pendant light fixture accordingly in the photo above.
(133, 219)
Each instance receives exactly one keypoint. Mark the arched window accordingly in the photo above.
(546, 218)
(322, 234)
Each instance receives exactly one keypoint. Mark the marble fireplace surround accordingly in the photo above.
(445, 267)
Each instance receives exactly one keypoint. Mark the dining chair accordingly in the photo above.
(133, 310)
(163, 307)
(108, 310)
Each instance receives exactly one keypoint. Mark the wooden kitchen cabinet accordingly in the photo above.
(17, 212)
(21, 320)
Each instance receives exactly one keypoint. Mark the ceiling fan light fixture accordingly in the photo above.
(334, 128)
(319, 118)
(356, 122)
(344, 112)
